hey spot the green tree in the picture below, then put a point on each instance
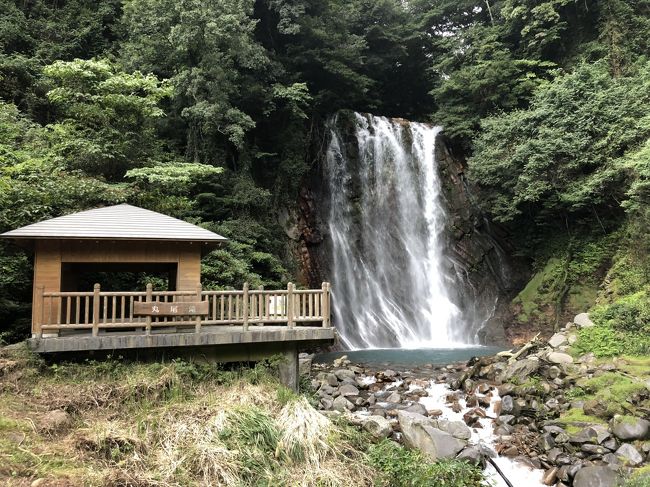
(105, 117)
(565, 155)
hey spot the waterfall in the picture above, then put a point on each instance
(392, 283)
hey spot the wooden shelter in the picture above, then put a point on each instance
(69, 314)
(121, 238)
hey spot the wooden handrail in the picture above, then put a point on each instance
(100, 310)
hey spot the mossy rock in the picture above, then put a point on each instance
(575, 420)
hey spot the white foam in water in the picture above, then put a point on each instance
(519, 474)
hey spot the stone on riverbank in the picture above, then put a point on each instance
(520, 370)
(583, 321)
(629, 428)
(377, 426)
(629, 455)
(596, 477)
(558, 340)
(419, 433)
(559, 358)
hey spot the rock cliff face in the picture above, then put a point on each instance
(476, 249)
(480, 249)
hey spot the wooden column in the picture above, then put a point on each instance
(189, 268)
(38, 311)
(47, 278)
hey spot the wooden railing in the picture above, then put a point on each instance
(107, 310)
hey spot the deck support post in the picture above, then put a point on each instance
(96, 305)
(288, 367)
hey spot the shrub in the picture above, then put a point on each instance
(629, 314)
(623, 327)
(401, 467)
(601, 340)
(639, 479)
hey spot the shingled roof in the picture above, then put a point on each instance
(119, 222)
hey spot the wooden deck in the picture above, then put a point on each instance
(99, 320)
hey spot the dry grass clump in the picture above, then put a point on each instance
(189, 446)
(217, 443)
(318, 451)
(305, 433)
(174, 424)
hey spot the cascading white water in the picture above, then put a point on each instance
(386, 221)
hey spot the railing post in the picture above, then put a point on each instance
(325, 304)
(149, 299)
(199, 297)
(245, 306)
(290, 305)
(96, 305)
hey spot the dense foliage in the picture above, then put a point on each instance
(402, 467)
(211, 112)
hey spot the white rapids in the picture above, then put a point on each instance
(519, 474)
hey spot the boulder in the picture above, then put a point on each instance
(629, 455)
(546, 442)
(596, 477)
(342, 404)
(583, 321)
(553, 372)
(394, 397)
(54, 421)
(559, 358)
(326, 389)
(457, 429)
(629, 428)
(344, 374)
(348, 390)
(602, 433)
(593, 449)
(417, 408)
(409, 420)
(505, 419)
(585, 435)
(611, 444)
(553, 453)
(472, 454)
(520, 370)
(550, 476)
(596, 407)
(558, 340)
(341, 361)
(505, 389)
(377, 426)
(304, 365)
(419, 433)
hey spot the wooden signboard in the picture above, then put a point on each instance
(170, 309)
